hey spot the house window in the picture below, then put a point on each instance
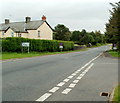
(19, 35)
(2, 32)
(38, 33)
(12, 34)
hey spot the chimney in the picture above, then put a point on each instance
(44, 18)
(7, 21)
(28, 19)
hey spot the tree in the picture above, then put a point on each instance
(83, 35)
(62, 33)
(83, 32)
(113, 25)
(98, 37)
(76, 35)
(87, 39)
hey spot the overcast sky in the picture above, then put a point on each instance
(90, 15)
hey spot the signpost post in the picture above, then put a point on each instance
(25, 44)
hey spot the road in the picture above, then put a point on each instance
(79, 76)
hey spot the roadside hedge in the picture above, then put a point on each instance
(13, 44)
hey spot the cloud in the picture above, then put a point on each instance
(76, 14)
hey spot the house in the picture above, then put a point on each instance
(38, 29)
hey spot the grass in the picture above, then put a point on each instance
(117, 94)
(11, 55)
(114, 53)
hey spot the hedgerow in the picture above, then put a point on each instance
(13, 44)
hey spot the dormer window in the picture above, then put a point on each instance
(38, 33)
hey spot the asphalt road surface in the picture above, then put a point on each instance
(79, 76)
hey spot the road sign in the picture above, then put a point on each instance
(25, 44)
(61, 44)
(61, 47)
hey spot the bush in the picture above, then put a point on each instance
(13, 44)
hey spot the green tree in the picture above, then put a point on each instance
(113, 25)
(83, 32)
(83, 35)
(87, 39)
(62, 33)
(98, 37)
(76, 35)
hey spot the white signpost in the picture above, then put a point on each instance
(25, 44)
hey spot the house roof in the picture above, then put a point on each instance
(23, 26)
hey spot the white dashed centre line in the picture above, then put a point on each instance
(75, 81)
(82, 75)
(70, 77)
(66, 91)
(54, 89)
(66, 80)
(79, 70)
(76, 72)
(86, 70)
(73, 74)
(61, 84)
(72, 85)
(83, 72)
(79, 77)
(43, 97)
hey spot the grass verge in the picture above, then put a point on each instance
(114, 53)
(116, 96)
(10, 55)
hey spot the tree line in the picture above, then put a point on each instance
(111, 35)
(79, 37)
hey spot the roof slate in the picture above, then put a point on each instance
(22, 26)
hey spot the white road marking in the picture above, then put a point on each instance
(82, 75)
(75, 81)
(73, 74)
(83, 72)
(79, 77)
(90, 62)
(66, 80)
(61, 84)
(76, 72)
(44, 97)
(90, 66)
(66, 91)
(70, 77)
(86, 70)
(54, 89)
(72, 85)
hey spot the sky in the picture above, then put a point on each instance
(90, 15)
